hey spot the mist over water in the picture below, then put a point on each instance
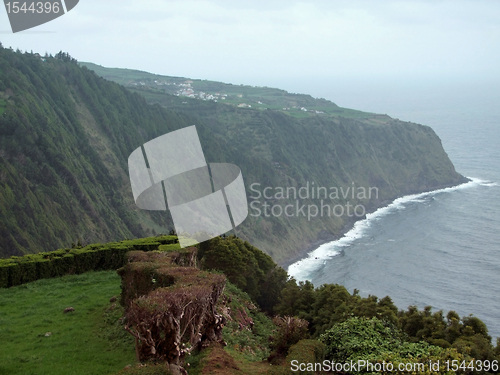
(440, 248)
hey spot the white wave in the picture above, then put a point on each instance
(484, 182)
(302, 269)
(489, 184)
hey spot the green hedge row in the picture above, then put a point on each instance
(95, 257)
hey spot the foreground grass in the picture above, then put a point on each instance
(88, 341)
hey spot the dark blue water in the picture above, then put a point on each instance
(442, 248)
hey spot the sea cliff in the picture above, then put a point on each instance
(66, 134)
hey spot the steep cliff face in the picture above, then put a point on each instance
(66, 134)
(361, 159)
(344, 168)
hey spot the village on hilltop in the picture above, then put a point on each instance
(186, 89)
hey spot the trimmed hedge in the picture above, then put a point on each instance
(94, 257)
(170, 304)
(144, 272)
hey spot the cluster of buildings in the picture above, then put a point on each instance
(185, 89)
(303, 109)
(188, 91)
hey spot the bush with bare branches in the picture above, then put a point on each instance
(170, 310)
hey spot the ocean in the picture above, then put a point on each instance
(440, 248)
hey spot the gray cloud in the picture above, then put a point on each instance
(253, 41)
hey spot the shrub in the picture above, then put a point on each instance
(290, 330)
(170, 310)
(168, 322)
(417, 357)
(245, 266)
(145, 272)
(375, 342)
(357, 338)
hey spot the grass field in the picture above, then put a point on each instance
(88, 341)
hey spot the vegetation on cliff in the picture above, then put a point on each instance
(186, 318)
(66, 134)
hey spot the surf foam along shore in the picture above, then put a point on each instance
(302, 269)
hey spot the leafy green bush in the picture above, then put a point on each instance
(359, 337)
(416, 358)
(468, 335)
(245, 266)
(378, 348)
(330, 304)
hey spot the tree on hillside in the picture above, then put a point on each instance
(245, 266)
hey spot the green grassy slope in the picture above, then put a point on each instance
(38, 338)
(91, 340)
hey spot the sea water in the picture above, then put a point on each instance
(440, 248)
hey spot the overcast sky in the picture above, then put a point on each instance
(265, 42)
